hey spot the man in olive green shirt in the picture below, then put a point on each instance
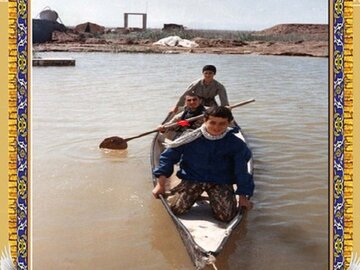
(207, 88)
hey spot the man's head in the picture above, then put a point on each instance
(217, 119)
(192, 101)
(209, 72)
(209, 68)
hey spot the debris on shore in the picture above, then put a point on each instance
(283, 39)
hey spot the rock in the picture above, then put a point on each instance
(145, 41)
(95, 41)
(202, 42)
(238, 43)
(65, 37)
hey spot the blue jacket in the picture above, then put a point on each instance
(221, 161)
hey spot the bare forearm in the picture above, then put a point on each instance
(159, 189)
(161, 181)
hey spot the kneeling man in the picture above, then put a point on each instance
(212, 158)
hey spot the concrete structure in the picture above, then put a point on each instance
(48, 14)
(126, 19)
(42, 30)
(173, 27)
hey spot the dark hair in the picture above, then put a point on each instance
(210, 68)
(219, 111)
(192, 94)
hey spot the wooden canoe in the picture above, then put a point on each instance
(203, 236)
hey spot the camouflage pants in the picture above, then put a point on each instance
(222, 198)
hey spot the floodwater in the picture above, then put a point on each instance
(93, 209)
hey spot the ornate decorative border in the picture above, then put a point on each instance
(18, 131)
(342, 132)
(22, 134)
(12, 93)
(338, 134)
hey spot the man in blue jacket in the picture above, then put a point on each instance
(212, 159)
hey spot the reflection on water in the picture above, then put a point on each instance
(93, 208)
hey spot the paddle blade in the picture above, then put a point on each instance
(115, 143)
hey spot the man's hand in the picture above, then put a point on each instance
(160, 187)
(175, 109)
(245, 202)
(161, 128)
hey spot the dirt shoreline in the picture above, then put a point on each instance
(286, 39)
(304, 48)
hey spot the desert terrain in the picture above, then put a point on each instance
(284, 39)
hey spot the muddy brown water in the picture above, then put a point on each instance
(93, 209)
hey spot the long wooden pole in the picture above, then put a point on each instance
(120, 143)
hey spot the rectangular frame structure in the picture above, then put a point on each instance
(144, 19)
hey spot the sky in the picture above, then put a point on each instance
(193, 14)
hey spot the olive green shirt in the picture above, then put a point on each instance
(206, 92)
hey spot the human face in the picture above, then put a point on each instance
(192, 102)
(208, 76)
(216, 125)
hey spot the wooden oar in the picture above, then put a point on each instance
(118, 143)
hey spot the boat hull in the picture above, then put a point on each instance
(203, 236)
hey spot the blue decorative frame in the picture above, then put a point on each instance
(338, 134)
(22, 134)
(23, 131)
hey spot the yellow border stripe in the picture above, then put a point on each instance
(4, 180)
(356, 128)
(348, 131)
(12, 128)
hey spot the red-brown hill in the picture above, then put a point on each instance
(297, 29)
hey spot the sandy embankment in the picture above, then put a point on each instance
(288, 39)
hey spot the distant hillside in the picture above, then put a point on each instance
(297, 29)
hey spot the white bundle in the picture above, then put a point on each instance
(173, 41)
